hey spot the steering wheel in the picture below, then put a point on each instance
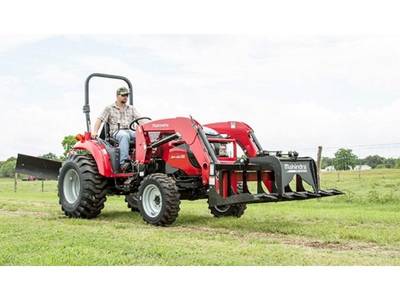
(136, 121)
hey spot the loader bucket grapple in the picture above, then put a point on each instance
(277, 176)
(272, 176)
(172, 160)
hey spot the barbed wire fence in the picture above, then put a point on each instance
(361, 150)
(319, 152)
(364, 147)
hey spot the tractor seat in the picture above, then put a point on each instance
(106, 136)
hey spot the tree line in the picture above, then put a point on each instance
(345, 159)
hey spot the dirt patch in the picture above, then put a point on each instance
(297, 241)
(23, 213)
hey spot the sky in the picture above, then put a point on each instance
(297, 92)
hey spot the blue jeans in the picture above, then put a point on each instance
(124, 136)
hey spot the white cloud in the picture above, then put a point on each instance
(10, 42)
(297, 93)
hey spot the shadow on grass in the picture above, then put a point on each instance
(120, 216)
(244, 225)
(201, 222)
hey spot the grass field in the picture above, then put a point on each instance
(359, 228)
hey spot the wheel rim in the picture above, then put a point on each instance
(222, 208)
(151, 199)
(72, 186)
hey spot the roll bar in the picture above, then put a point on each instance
(86, 107)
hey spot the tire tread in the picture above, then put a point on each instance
(94, 189)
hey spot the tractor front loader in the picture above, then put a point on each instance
(172, 160)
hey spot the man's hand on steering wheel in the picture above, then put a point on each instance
(136, 122)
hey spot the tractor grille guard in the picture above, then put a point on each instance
(284, 170)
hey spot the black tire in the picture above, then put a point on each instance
(87, 200)
(132, 201)
(234, 210)
(166, 203)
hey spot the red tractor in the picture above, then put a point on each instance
(175, 159)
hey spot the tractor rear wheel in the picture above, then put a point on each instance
(158, 199)
(235, 210)
(81, 189)
(132, 201)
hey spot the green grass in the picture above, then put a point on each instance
(359, 228)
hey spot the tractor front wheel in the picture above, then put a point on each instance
(235, 210)
(132, 200)
(81, 189)
(158, 199)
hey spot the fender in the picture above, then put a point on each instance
(100, 155)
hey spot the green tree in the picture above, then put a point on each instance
(390, 162)
(326, 161)
(344, 158)
(373, 161)
(49, 156)
(7, 168)
(397, 163)
(68, 142)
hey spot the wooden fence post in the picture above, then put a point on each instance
(15, 182)
(319, 153)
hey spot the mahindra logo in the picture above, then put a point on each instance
(160, 125)
(295, 168)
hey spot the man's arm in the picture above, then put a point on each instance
(137, 115)
(96, 128)
(102, 118)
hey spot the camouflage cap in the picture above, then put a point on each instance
(122, 91)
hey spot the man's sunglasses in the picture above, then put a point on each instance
(124, 95)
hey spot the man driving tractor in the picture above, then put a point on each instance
(175, 159)
(119, 115)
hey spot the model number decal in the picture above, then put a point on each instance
(178, 156)
(160, 125)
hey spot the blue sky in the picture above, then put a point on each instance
(296, 92)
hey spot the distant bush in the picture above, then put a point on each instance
(372, 197)
(380, 166)
(344, 158)
(50, 155)
(7, 168)
(375, 197)
(397, 164)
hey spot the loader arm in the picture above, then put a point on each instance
(185, 129)
(242, 133)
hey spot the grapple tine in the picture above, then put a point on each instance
(312, 195)
(335, 192)
(266, 196)
(289, 196)
(325, 193)
(302, 195)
